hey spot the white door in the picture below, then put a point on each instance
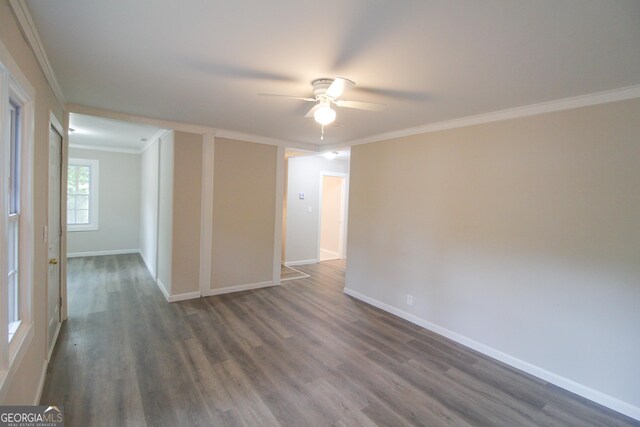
(53, 282)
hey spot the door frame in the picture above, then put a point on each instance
(343, 213)
(57, 126)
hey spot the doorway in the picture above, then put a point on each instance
(332, 214)
(302, 224)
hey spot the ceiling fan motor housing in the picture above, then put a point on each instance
(320, 86)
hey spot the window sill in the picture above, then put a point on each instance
(74, 228)
(17, 352)
(13, 328)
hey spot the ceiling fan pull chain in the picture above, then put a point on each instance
(322, 133)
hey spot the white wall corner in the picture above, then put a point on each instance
(163, 288)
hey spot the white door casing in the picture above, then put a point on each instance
(53, 238)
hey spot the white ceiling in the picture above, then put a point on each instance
(204, 62)
(106, 133)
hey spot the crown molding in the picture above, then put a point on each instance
(191, 128)
(241, 136)
(106, 148)
(620, 94)
(28, 28)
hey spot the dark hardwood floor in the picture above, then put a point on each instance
(301, 354)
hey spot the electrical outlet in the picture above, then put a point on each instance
(409, 299)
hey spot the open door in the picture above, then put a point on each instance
(54, 301)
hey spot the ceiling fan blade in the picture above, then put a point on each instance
(338, 87)
(369, 106)
(288, 97)
(312, 110)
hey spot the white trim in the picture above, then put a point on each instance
(565, 383)
(156, 136)
(238, 288)
(620, 94)
(146, 263)
(163, 289)
(28, 27)
(14, 85)
(302, 262)
(106, 148)
(101, 253)
(206, 213)
(40, 388)
(55, 123)
(94, 195)
(55, 339)
(279, 207)
(258, 139)
(192, 128)
(183, 297)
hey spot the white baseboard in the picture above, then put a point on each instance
(43, 376)
(302, 262)
(565, 383)
(185, 296)
(329, 254)
(163, 289)
(101, 253)
(153, 273)
(55, 340)
(238, 288)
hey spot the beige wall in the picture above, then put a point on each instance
(331, 212)
(523, 235)
(243, 213)
(187, 192)
(24, 386)
(118, 204)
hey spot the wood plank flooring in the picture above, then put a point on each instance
(301, 354)
(288, 273)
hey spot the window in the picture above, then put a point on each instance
(82, 195)
(13, 223)
(16, 214)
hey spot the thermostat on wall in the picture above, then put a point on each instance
(301, 196)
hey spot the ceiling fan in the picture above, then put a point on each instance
(327, 92)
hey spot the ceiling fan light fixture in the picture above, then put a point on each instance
(324, 115)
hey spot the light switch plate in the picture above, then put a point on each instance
(301, 196)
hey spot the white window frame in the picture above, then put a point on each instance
(15, 86)
(94, 198)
